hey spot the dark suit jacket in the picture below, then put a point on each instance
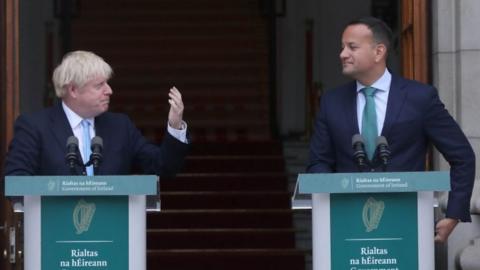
(39, 146)
(414, 118)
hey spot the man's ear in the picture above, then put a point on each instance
(72, 90)
(380, 52)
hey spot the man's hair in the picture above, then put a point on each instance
(380, 30)
(77, 68)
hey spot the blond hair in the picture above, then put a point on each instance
(77, 68)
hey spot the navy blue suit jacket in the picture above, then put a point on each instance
(39, 146)
(414, 118)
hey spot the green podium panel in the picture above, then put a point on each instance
(371, 221)
(374, 230)
(84, 232)
(84, 222)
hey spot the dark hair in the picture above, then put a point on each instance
(380, 30)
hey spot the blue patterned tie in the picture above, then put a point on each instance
(86, 145)
(369, 121)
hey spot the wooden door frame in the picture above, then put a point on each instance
(415, 40)
(10, 108)
(415, 37)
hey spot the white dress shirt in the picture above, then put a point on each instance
(381, 99)
(74, 121)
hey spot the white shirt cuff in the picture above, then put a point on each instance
(179, 134)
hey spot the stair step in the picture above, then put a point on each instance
(159, 92)
(188, 65)
(210, 134)
(168, 16)
(196, 113)
(159, 68)
(232, 42)
(171, 5)
(202, 119)
(170, 36)
(225, 200)
(225, 181)
(162, 83)
(211, 39)
(195, 73)
(211, 124)
(234, 259)
(270, 147)
(220, 238)
(205, 164)
(165, 4)
(107, 30)
(192, 55)
(230, 218)
(182, 81)
(196, 107)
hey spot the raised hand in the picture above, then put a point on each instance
(175, 115)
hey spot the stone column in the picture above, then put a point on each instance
(456, 74)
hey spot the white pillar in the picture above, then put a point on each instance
(456, 74)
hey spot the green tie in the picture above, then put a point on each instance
(369, 121)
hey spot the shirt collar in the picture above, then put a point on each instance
(73, 118)
(383, 83)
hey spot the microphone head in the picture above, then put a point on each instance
(357, 138)
(72, 140)
(97, 140)
(381, 140)
(71, 157)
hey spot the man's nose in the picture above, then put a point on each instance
(343, 53)
(108, 89)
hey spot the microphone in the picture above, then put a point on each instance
(359, 150)
(72, 149)
(96, 156)
(383, 151)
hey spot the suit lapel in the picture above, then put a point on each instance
(60, 126)
(351, 108)
(396, 99)
(61, 130)
(101, 130)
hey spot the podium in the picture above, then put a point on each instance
(84, 222)
(373, 220)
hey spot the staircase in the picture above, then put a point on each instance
(226, 211)
(229, 208)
